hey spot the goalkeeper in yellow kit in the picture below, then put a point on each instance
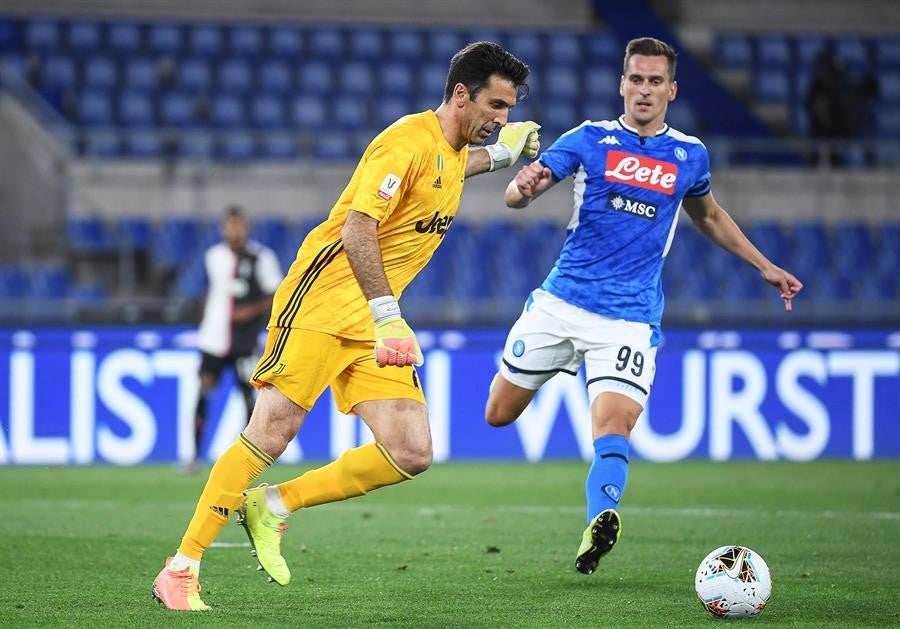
(336, 320)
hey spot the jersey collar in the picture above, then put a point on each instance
(663, 130)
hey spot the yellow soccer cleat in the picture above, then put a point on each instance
(178, 590)
(265, 530)
(598, 539)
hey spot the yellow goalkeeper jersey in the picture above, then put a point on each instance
(410, 180)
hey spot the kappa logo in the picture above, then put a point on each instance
(641, 171)
(389, 187)
(610, 139)
(437, 182)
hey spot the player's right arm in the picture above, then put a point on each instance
(395, 342)
(530, 182)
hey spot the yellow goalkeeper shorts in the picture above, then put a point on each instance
(302, 363)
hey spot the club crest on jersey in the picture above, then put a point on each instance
(641, 171)
(680, 153)
(389, 187)
(518, 348)
(637, 207)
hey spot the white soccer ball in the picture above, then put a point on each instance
(733, 582)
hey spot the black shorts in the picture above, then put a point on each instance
(215, 365)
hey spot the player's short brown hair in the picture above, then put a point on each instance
(651, 47)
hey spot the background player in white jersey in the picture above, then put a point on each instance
(242, 276)
(602, 302)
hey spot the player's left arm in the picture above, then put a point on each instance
(715, 222)
(515, 139)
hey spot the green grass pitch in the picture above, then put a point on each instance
(465, 545)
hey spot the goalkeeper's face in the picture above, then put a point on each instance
(488, 111)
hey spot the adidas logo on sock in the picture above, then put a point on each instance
(437, 182)
(222, 511)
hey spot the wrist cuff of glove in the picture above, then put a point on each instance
(384, 309)
(500, 156)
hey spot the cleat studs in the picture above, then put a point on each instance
(259, 568)
(253, 552)
(271, 580)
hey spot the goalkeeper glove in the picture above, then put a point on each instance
(395, 342)
(516, 138)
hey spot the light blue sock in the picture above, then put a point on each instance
(608, 474)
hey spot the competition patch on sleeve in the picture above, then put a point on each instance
(389, 187)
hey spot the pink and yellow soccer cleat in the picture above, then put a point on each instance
(178, 590)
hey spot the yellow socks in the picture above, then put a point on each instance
(356, 472)
(229, 477)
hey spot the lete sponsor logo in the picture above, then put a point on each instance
(641, 171)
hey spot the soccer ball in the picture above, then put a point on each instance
(733, 582)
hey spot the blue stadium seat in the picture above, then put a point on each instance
(123, 37)
(101, 144)
(564, 49)
(396, 78)
(308, 112)
(600, 82)
(195, 145)
(87, 294)
(888, 249)
(524, 110)
(889, 87)
(278, 146)
(134, 233)
(275, 77)
(286, 42)
(356, 78)
(315, 78)
(350, 113)
(267, 112)
(176, 109)
(176, 240)
(852, 247)
(772, 85)
(144, 143)
(559, 117)
(854, 52)
(599, 109)
(94, 109)
(562, 82)
(326, 43)
(366, 43)
(9, 34)
(42, 36)
(740, 286)
(49, 281)
(227, 111)
(245, 40)
(135, 109)
(773, 51)
(887, 52)
(811, 253)
(405, 44)
(206, 40)
(83, 36)
(164, 38)
(58, 72)
(234, 75)
(237, 146)
(807, 48)
(100, 73)
(332, 146)
(681, 116)
(831, 288)
(485, 34)
(887, 122)
(771, 238)
(191, 282)
(527, 46)
(141, 73)
(443, 44)
(14, 282)
(602, 48)
(390, 108)
(193, 75)
(432, 80)
(89, 234)
(270, 231)
(878, 288)
(734, 51)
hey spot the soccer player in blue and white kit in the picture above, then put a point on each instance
(602, 302)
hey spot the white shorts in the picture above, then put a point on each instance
(552, 335)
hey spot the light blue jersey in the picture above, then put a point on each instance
(628, 190)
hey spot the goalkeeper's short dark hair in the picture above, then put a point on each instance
(651, 47)
(474, 65)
